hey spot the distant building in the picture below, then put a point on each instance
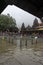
(40, 27)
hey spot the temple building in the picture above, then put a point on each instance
(40, 27)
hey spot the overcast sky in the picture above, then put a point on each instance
(19, 15)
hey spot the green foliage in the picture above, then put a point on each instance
(23, 27)
(35, 23)
(28, 28)
(6, 22)
(42, 19)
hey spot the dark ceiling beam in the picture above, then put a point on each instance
(34, 7)
(2, 5)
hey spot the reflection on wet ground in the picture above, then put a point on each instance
(24, 54)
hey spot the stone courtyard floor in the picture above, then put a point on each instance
(23, 56)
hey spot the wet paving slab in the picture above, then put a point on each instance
(23, 56)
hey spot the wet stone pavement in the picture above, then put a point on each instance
(23, 56)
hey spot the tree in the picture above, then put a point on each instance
(13, 29)
(28, 28)
(6, 22)
(42, 19)
(35, 23)
(23, 27)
